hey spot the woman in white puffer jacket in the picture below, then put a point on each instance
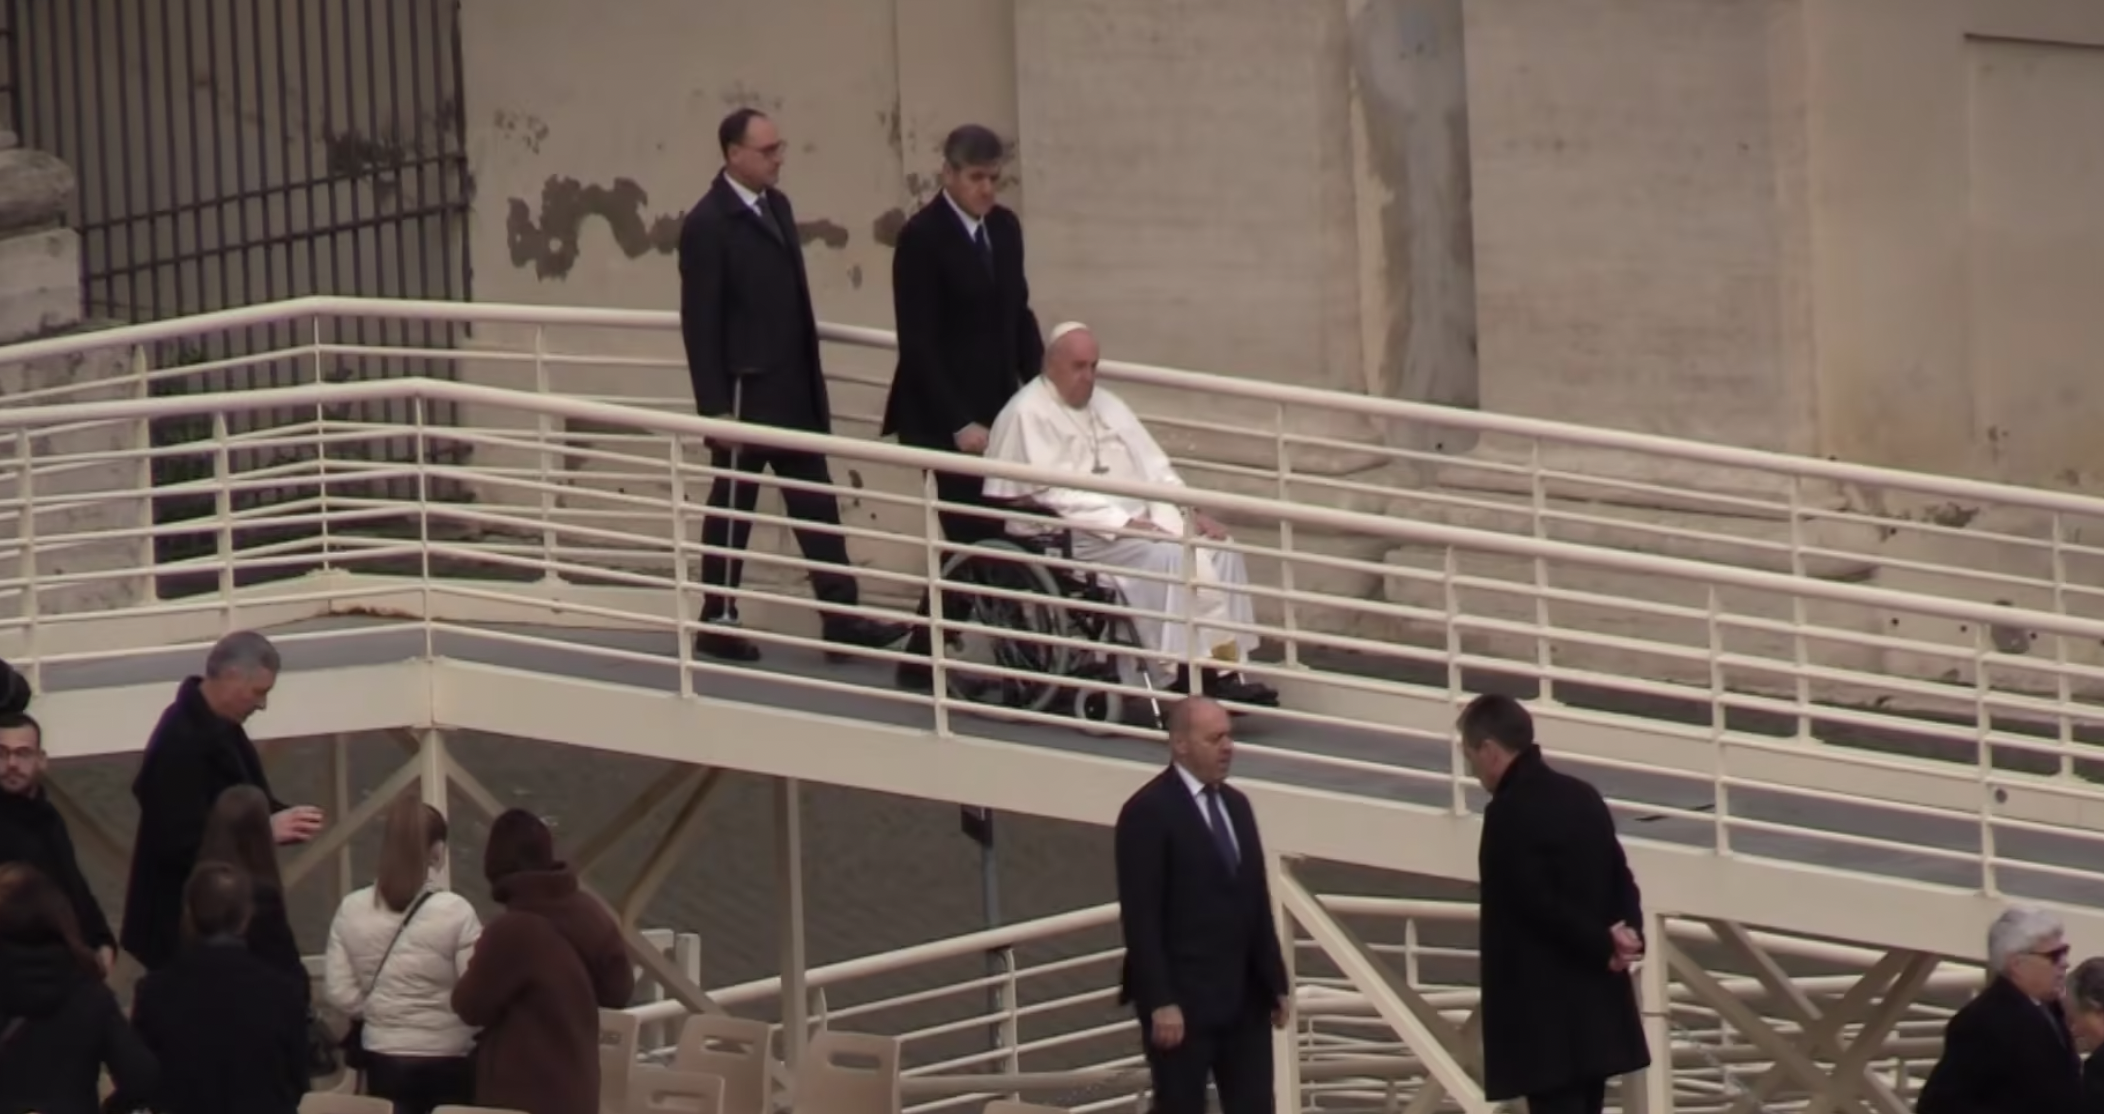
(415, 1051)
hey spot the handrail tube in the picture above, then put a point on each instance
(502, 313)
(1408, 532)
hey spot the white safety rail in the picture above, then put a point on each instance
(1037, 1012)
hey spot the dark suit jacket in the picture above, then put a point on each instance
(1197, 936)
(745, 313)
(967, 338)
(191, 758)
(32, 831)
(72, 1027)
(2003, 1054)
(229, 1029)
(1554, 882)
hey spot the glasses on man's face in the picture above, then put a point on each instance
(20, 756)
(2054, 956)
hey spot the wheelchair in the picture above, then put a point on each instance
(1040, 605)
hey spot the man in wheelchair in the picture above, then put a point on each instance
(1063, 421)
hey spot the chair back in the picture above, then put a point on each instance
(733, 1049)
(848, 1073)
(656, 1090)
(333, 1102)
(617, 1058)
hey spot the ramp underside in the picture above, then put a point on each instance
(562, 685)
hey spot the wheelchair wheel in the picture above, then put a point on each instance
(1091, 706)
(1003, 566)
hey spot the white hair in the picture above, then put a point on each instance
(2019, 929)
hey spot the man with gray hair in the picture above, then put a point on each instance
(197, 751)
(2009, 1050)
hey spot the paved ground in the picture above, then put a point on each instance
(884, 872)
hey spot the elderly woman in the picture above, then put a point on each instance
(2010, 1050)
(2083, 1001)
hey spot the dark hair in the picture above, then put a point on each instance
(973, 145)
(518, 841)
(405, 850)
(218, 900)
(16, 693)
(731, 131)
(1492, 718)
(237, 832)
(33, 911)
(9, 721)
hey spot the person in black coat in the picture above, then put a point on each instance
(967, 335)
(1561, 925)
(197, 751)
(1203, 967)
(2010, 1050)
(229, 1028)
(2083, 1002)
(33, 832)
(751, 335)
(60, 1025)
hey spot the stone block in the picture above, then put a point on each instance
(35, 189)
(76, 498)
(39, 283)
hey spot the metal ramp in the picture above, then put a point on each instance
(553, 606)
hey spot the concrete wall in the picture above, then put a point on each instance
(40, 296)
(1858, 228)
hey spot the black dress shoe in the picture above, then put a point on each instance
(854, 630)
(1234, 688)
(725, 646)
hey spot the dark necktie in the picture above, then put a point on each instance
(1223, 835)
(985, 246)
(760, 209)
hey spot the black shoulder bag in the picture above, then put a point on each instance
(355, 1057)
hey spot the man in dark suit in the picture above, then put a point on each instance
(197, 751)
(1202, 961)
(33, 832)
(2010, 1049)
(1561, 925)
(967, 336)
(752, 351)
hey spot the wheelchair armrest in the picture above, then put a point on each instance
(1057, 539)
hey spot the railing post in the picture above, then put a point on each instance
(1010, 1033)
(1285, 1047)
(546, 474)
(2062, 687)
(680, 603)
(321, 446)
(1655, 1000)
(1983, 724)
(1719, 771)
(938, 618)
(423, 526)
(142, 441)
(1290, 617)
(1800, 617)
(789, 894)
(223, 506)
(25, 486)
(1458, 774)
(1544, 653)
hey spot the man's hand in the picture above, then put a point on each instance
(1629, 947)
(1208, 527)
(1166, 1027)
(1144, 525)
(106, 958)
(972, 439)
(1281, 1012)
(297, 824)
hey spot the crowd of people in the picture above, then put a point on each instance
(221, 1017)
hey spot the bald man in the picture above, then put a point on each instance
(1064, 421)
(1203, 965)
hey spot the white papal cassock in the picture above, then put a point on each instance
(1105, 438)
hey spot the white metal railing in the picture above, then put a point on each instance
(567, 490)
(1984, 541)
(1048, 1022)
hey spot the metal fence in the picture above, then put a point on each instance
(232, 152)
